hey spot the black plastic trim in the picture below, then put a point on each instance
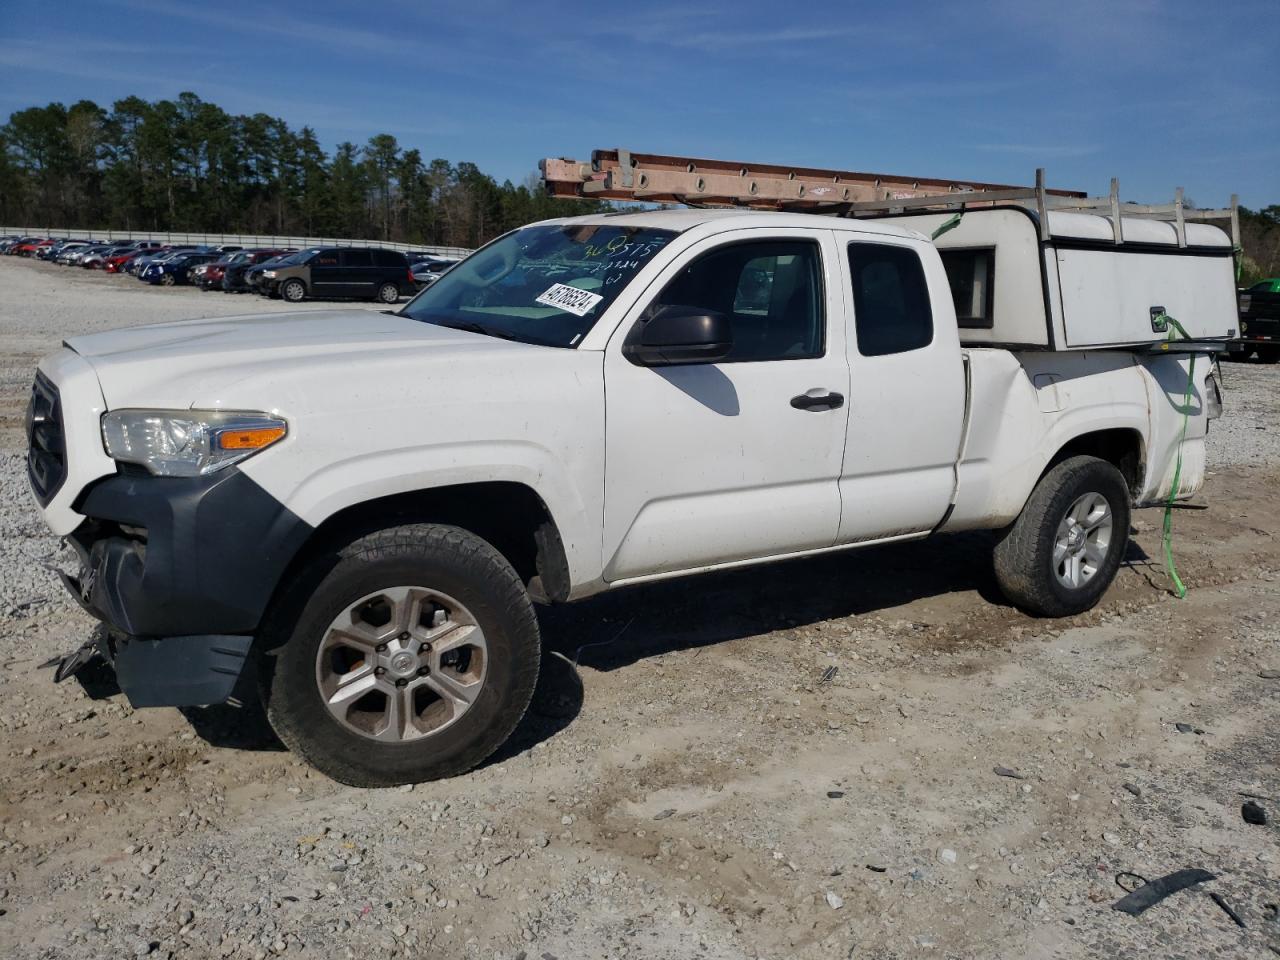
(180, 671)
(1108, 246)
(210, 555)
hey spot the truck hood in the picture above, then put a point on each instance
(201, 362)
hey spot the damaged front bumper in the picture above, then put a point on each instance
(187, 671)
(180, 572)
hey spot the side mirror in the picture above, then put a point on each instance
(677, 334)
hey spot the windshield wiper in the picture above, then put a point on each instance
(472, 327)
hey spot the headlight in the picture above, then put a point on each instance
(187, 443)
(269, 274)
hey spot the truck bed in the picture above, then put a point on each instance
(1023, 406)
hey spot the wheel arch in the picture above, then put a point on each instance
(1122, 447)
(510, 516)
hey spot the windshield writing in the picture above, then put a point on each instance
(543, 284)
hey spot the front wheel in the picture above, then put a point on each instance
(293, 291)
(413, 658)
(168, 280)
(1063, 551)
(388, 293)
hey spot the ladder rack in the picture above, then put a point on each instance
(654, 178)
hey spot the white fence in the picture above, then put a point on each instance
(217, 239)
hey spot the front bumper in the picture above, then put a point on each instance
(175, 557)
(180, 570)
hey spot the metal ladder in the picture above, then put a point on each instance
(655, 178)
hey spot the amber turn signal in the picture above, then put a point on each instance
(252, 439)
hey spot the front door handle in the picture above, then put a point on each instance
(818, 403)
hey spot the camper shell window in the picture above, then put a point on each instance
(971, 274)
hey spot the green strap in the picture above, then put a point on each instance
(1179, 588)
(949, 225)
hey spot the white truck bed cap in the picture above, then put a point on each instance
(1067, 225)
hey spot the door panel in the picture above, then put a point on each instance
(906, 391)
(325, 269)
(711, 463)
(357, 274)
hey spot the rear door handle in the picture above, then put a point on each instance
(818, 403)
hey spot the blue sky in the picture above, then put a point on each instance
(983, 90)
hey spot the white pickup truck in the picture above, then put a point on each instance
(363, 506)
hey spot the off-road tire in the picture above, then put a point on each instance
(1024, 553)
(293, 291)
(443, 558)
(388, 293)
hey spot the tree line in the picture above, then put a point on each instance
(188, 165)
(1260, 241)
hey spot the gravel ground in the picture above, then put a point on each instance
(693, 786)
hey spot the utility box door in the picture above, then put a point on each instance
(1107, 295)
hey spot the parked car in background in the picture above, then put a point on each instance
(252, 278)
(115, 262)
(176, 269)
(12, 246)
(29, 247)
(208, 276)
(235, 275)
(1259, 322)
(73, 258)
(98, 260)
(155, 256)
(341, 272)
(417, 256)
(52, 253)
(428, 271)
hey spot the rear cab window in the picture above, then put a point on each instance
(891, 307)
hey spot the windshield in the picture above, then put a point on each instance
(546, 285)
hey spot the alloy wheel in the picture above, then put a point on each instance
(401, 664)
(1083, 540)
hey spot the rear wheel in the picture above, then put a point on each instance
(413, 658)
(293, 290)
(1063, 551)
(388, 293)
(1269, 354)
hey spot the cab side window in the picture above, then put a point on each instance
(770, 290)
(891, 309)
(356, 258)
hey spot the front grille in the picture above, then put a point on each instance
(46, 448)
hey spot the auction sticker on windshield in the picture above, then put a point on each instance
(570, 299)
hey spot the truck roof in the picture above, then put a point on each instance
(684, 219)
(1062, 224)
